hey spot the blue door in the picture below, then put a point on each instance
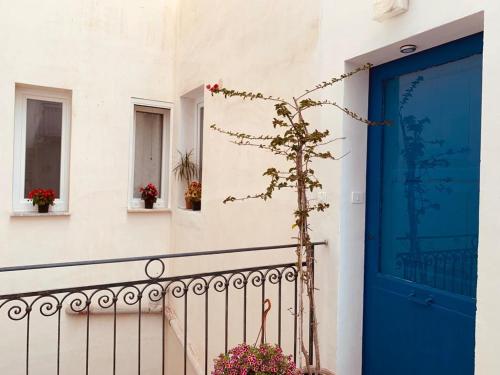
(422, 213)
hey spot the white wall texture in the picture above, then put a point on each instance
(107, 52)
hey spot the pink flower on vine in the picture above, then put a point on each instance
(213, 88)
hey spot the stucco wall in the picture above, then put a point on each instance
(105, 53)
(261, 46)
(108, 52)
(282, 49)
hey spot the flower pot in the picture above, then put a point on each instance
(148, 203)
(43, 209)
(196, 205)
(189, 204)
(323, 371)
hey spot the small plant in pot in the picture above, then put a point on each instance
(43, 198)
(194, 194)
(149, 194)
(185, 170)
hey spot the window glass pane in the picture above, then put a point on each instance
(148, 150)
(43, 146)
(430, 188)
(200, 150)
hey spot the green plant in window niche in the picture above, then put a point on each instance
(295, 142)
(186, 170)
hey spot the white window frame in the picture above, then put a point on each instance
(197, 130)
(19, 202)
(165, 108)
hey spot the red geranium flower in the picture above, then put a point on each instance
(149, 192)
(42, 197)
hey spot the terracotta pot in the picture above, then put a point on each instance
(323, 371)
(189, 204)
(149, 203)
(43, 209)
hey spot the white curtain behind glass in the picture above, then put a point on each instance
(43, 146)
(201, 114)
(148, 150)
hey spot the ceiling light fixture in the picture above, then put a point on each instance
(408, 48)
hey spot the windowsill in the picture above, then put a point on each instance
(147, 210)
(37, 214)
(188, 210)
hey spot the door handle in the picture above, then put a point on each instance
(424, 302)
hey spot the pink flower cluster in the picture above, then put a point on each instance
(213, 88)
(149, 192)
(250, 360)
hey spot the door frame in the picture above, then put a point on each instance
(351, 245)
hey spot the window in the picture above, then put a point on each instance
(200, 111)
(191, 133)
(42, 144)
(150, 151)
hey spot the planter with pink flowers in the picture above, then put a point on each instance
(251, 360)
(149, 194)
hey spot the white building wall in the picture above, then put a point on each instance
(105, 53)
(278, 48)
(257, 46)
(108, 52)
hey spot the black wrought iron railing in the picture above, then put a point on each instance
(128, 326)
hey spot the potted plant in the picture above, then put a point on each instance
(265, 359)
(43, 198)
(194, 195)
(149, 194)
(298, 145)
(186, 170)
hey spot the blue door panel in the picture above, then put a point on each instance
(392, 354)
(422, 212)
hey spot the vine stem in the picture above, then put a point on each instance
(304, 246)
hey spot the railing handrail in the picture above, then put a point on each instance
(118, 284)
(149, 257)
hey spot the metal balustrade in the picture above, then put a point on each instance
(239, 290)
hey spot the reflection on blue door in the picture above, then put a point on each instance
(422, 213)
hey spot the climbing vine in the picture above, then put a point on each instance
(299, 144)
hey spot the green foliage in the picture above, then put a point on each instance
(186, 169)
(299, 145)
(296, 140)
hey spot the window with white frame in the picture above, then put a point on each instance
(41, 145)
(200, 112)
(150, 154)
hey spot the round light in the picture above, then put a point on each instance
(408, 48)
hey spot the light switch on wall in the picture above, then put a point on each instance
(357, 197)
